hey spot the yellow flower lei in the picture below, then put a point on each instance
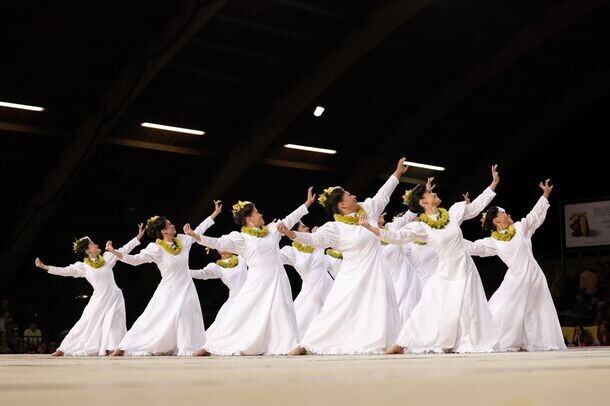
(442, 221)
(418, 242)
(173, 249)
(506, 236)
(228, 263)
(255, 231)
(303, 248)
(100, 262)
(333, 253)
(349, 219)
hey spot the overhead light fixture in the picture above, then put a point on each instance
(312, 149)
(318, 111)
(20, 106)
(172, 128)
(424, 166)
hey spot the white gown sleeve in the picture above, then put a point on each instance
(152, 253)
(409, 233)
(210, 271)
(76, 270)
(535, 218)
(402, 221)
(288, 255)
(473, 209)
(375, 205)
(187, 241)
(125, 249)
(290, 219)
(325, 236)
(485, 247)
(232, 242)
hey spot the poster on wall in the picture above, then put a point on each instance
(587, 224)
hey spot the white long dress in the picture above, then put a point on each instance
(406, 282)
(262, 320)
(360, 315)
(101, 327)
(424, 259)
(172, 322)
(333, 264)
(233, 278)
(522, 306)
(453, 314)
(312, 268)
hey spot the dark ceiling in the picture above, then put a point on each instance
(457, 84)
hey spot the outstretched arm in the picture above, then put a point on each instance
(75, 270)
(484, 247)
(210, 271)
(377, 203)
(324, 236)
(536, 217)
(406, 234)
(294, 217)
(473, 209)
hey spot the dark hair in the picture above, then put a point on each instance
(240, 217)
(81, 247)
(331, 205)
(153, 228)
(416, 196)
(492, 213)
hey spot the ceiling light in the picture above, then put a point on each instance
(20, 106)
(318, 111)
(312, 149)
(172, 128)
(424, 166)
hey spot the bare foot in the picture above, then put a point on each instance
(58, 353)
(298, 351)
(395, 349)
(117, 353)
(108, 352)
(201, 353)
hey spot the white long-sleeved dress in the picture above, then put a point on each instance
(406, 282)
(313, 270)
(262, 320)
(453, 314)
(233, 278)
(424, 260)
(522, 306)
(172, 322)
(360, 315)
(101, 327)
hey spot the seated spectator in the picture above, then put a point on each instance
(581, 338)
(588, 282)
(32, 336)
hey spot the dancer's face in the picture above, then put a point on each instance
(224, 254)
(348, 203)
(430, 200)
(169, 230)
(302, 228)
(93, 250)
(502, 221)
(255, 219)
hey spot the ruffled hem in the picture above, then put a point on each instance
(222, 352)
(345, 351)
(83, 353)
(440, 350)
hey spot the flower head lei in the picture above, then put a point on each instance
(326, 194)
(79, 243)
(239, 206)
(406, 198)
(150, 222)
